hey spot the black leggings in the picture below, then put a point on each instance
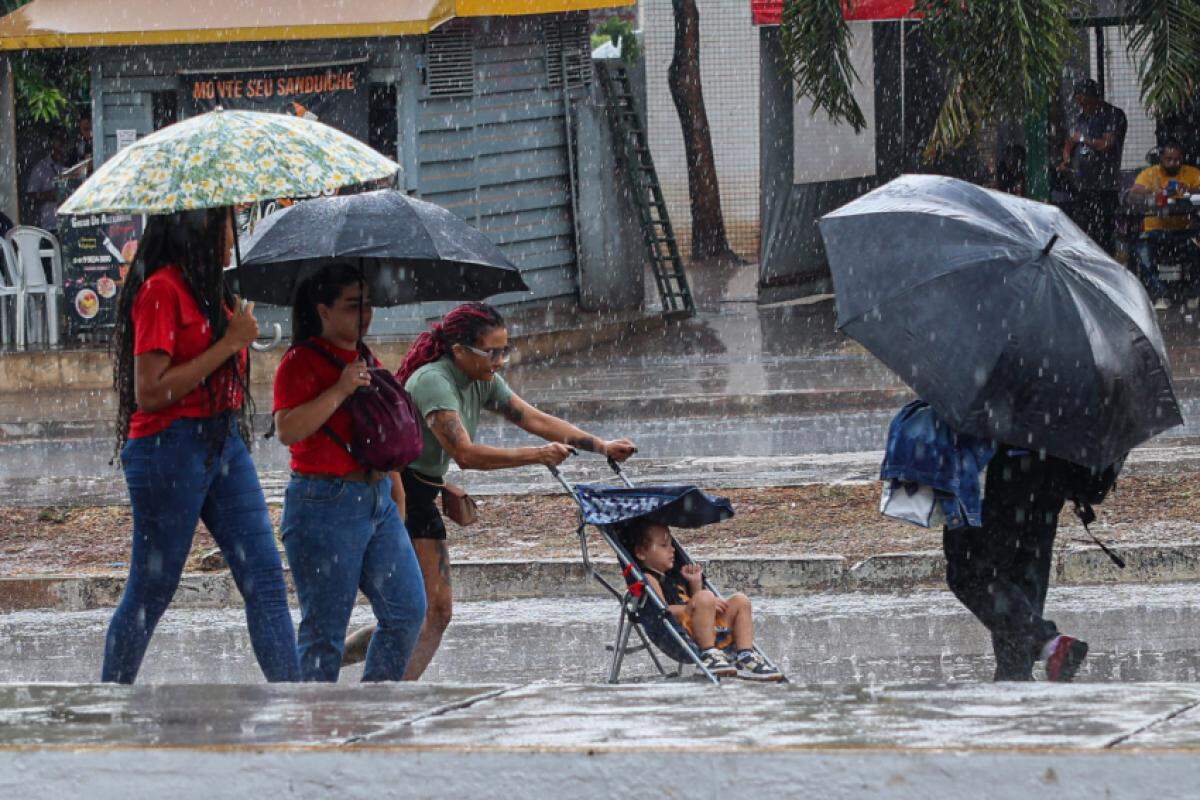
(1001, 571)
(1002, 578)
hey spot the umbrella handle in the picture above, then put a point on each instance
(276, 338)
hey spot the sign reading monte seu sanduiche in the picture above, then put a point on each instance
(336, 94)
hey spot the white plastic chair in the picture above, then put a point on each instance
(33, 245)
(9, 289)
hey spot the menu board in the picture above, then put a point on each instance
(97, 251)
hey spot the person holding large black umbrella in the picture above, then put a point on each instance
(1016, 327)
(453, 374)
(342, 526)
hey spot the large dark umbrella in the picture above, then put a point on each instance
(409, 250)
(1003, 315)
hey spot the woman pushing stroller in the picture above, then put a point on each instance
(452, 374)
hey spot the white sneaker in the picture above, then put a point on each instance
(1161, 304)
(717, 663)
(753, 667)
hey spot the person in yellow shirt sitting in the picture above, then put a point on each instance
(1170, 178)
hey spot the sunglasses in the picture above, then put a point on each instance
(499, 355)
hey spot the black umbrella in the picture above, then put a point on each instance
(1003, 315)
(409, 250)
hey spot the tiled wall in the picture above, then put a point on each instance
(825, 151)
(1122, 89)
(729, 64)
(729, 69)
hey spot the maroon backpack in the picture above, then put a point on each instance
(386, 426)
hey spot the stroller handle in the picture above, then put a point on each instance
(562, 481)
(613, 464)
(616, 467)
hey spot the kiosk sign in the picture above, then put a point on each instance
(335, 94)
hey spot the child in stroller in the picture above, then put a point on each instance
(720, 628)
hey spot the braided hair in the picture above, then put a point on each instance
(464, 325)
(193, 241)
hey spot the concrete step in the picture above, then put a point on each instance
(778, 576)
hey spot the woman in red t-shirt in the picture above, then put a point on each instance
(341, 526)
(182, 423)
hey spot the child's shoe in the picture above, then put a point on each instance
(752, 667)
(717, 663)
(1065, 658)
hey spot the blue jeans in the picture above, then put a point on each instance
(173, 482)
(342, 536)
(1147, 272)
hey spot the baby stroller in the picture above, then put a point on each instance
(642, 610)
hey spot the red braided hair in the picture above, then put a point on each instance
(463, 325)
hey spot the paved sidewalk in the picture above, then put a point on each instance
(531, 740)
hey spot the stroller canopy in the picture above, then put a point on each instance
(674, 506)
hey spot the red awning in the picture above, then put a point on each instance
(770, 12)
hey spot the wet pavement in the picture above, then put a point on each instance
(889, 698)
(586, 741)
(516, 716)
(78, 473)
(1137, 634)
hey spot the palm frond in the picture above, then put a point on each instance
(816, 43)
(1003, 58)
(1164, 37)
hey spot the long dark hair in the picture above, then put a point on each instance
(323, 287)
(463, 325)
(194, 242)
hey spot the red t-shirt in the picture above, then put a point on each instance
(167, 319)
(302, 376)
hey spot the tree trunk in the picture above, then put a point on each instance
(683, 78)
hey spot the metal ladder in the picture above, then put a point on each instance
(634, 150)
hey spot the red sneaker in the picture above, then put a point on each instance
(1066, 659)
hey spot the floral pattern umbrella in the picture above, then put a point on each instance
(224, 158)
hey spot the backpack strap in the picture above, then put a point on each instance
(1087, 515)
(332, 359)
(309, 344)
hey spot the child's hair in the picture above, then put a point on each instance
(634, 534)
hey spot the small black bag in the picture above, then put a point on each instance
(1087, 485)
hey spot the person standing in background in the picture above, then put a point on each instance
(40, 186)
(1091, 156)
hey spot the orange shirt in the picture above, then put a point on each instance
(1155, 179)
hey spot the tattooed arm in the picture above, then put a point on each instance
(553, 429)
(453, 437)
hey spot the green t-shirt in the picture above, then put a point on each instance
(441, 386)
